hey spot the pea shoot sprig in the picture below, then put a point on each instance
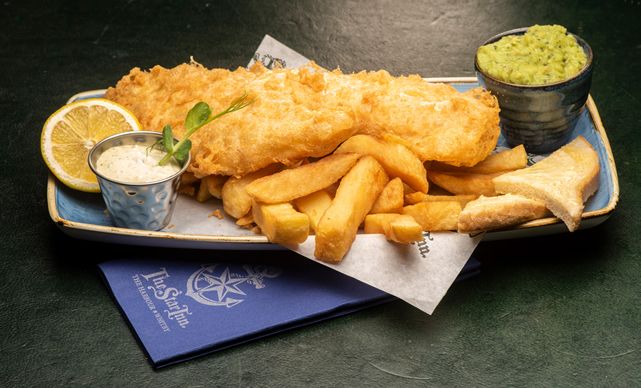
(199, 116)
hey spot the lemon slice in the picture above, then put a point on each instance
(69, 134)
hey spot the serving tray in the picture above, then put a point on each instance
(84, 215)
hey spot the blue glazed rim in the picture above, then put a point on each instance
(100, 232)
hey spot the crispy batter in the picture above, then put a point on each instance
(432, 119)
(286, 123)
(308, 112)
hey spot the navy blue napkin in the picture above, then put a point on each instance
(182, 309)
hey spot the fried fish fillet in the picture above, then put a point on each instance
(434, 120)
(308, 112)
(287, 122)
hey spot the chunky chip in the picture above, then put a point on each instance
(414, 198)
(202, 194)
(399, 228)
(292, 183)
(236, 201)
(281, 223)
(354, 198)
(476, 184)
(245, 220)
(214, 184)
(435, 216)
(396, 159)
(314, 205)
(188, 178)
(391, 198)
(504, 161)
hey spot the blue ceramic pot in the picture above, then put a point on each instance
(541, 117)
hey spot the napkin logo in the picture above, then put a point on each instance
(214, 284)
(269, 61)
(175, 311)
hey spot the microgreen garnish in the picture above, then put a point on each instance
(199, 116)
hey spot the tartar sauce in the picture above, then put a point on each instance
(135, 164)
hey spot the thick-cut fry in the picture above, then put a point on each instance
(477, 184)
(405, 230)
(407, 189)
(374, 223)
(245, 220)
(281, 223)
(331, 190)
(236, 201)
(400, 228)
(354, 198)
(391, 198)
(435, 216)
(314, 205)
(214, 184)
(188, 178)
(203, 194)
(414, 198)
(396, 159)
(504, 161)
(297, 182)
(189, 190)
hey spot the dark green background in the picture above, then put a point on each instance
(561, 310)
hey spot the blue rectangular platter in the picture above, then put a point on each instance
(84, 215)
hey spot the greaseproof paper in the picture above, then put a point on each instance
(419, 273)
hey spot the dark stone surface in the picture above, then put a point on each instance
(555, 311)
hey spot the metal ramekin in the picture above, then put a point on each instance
(146, 206)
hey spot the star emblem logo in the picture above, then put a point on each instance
(222, 284)
(217, 285)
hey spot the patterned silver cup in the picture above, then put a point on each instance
(147, 206)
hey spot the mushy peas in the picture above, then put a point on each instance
(543, 55)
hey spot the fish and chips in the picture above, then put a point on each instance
(326, 153)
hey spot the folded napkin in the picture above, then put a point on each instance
(182, 309)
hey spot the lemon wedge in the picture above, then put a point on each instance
(69, 134)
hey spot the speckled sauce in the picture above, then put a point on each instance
(135, 164)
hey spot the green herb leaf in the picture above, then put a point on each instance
(182, 152)
(197, 116)
(167, 138)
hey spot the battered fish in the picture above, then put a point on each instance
(287, 122)
(308, 112)
(434, 120)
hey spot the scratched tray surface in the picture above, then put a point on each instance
(84, 215)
